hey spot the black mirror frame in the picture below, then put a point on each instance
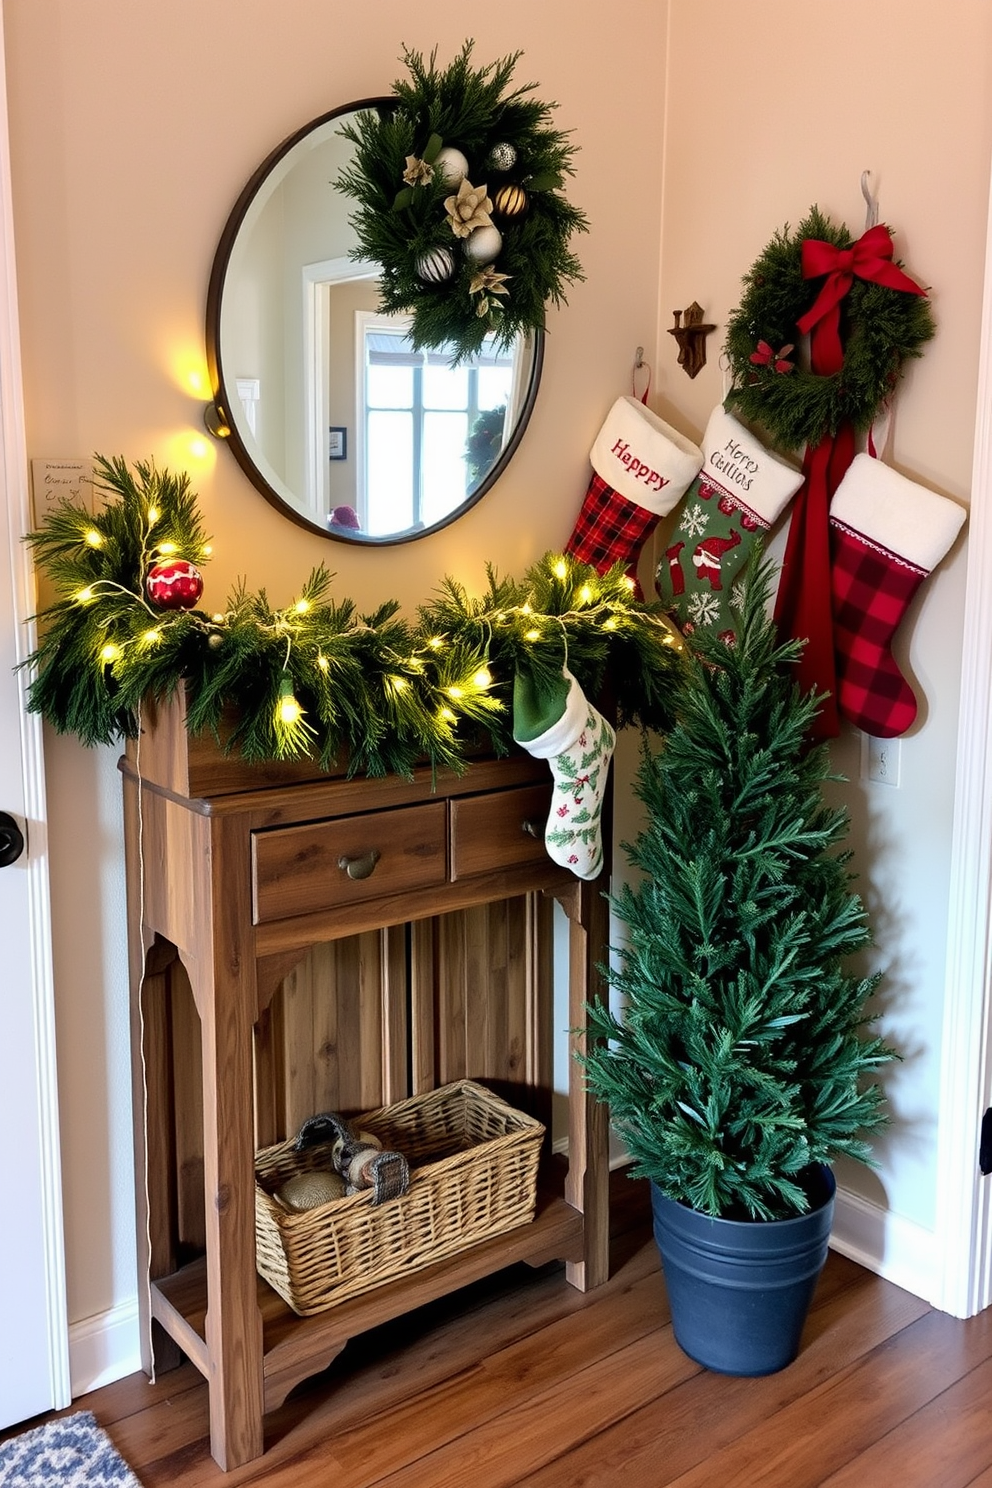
(221, 397)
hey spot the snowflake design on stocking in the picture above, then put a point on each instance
(694, 521)
(703, 608)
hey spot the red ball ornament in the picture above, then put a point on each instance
(174, 584)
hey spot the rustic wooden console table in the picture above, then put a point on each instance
(269, 981)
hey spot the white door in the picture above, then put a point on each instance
(34, 1365)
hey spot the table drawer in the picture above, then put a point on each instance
(489, 832)
(299, 870)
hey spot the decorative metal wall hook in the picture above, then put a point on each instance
(871, 201)
(690, 333)
(640, 377)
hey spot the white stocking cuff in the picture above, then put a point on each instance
(643, 458)
(741, 466)
(895, 512)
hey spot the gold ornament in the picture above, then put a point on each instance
(510, 201)
(469, 209)
(418, 172)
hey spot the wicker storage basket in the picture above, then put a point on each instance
(473, 1162)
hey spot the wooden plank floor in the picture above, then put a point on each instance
(521, 1380)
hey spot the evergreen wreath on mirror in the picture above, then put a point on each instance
(880, 327)
(460, 203)
(743, 1056)
(315, 678)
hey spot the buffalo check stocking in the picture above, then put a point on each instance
(641, 469)
(886, 534)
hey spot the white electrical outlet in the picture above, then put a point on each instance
(880, 760)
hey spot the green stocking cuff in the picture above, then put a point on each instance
(537, 707)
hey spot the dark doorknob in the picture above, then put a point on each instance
(11, 840)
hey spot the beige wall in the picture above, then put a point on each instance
(134, 125)
(756, 132)
(703, 125)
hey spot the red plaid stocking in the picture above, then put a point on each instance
(887, 534)
(641, 469)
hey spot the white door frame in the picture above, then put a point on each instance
(318, 281)
(14, 501)
(964, 1196)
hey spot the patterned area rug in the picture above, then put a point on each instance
(73, 1452)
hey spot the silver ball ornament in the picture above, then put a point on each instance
(435, 266)
(451, 165)
(503, 157)
(483, 245)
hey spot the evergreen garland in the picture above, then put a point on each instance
(741, 1056)
(880, 328)
(316, 678)
(399, 225)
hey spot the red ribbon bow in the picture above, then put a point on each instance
(869, 258)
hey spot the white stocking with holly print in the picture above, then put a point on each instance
(740, 491)
(562, 727)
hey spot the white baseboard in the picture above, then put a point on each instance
(890, 1245)
(107, 1347)
(104, 1348)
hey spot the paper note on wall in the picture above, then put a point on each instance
(51, 480)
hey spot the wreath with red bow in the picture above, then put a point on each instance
(863, 314)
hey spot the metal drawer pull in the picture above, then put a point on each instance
(360, 867)
(532, 826)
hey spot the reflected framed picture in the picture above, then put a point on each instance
(337, 443)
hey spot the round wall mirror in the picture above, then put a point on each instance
(328, 408)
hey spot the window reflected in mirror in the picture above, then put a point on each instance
(428, 432)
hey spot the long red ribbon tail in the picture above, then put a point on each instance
(803, 607)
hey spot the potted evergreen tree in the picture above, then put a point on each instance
(741, 1063)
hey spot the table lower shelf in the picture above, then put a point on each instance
(297, 1347)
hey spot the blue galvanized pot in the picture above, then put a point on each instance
(739, 1290)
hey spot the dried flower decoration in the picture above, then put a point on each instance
(469, 209)
(418, 172)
